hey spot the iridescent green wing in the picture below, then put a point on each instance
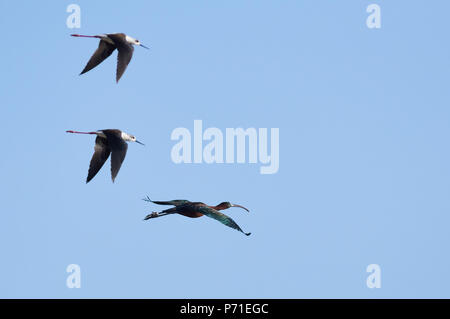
(224, 219)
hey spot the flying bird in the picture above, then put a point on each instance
(108, 43)
(197, 209)
(109, 141)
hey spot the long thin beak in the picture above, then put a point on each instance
(236, 205)
(144, 46)
(140, 142)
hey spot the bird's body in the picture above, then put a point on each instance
(109, 141)
(108, 43)
(197, 209)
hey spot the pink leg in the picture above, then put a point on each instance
(85, 36)
(76, 132)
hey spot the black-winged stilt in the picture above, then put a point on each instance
(108, 43)
(107, 142)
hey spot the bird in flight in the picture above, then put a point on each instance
(108, 43)
(112, 142)
(197, 209)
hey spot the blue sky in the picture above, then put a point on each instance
(363, 117)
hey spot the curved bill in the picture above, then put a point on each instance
(236, 205)
(140, 142)
(144, 46)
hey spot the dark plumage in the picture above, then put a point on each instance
(108, 43)
(110, 141)
(197, 209)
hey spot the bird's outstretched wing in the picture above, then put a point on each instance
(125, 53)
(175, 202)
(224, 219)
(103, 51)
(118, 149)
(101, 154)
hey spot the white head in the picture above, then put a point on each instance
(130, 138)
(134, 41)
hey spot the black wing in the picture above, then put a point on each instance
(118, 149)
(224, 219)
(125, 53)
(103, 51)
(101, 154)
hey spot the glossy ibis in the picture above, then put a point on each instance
(197, 209)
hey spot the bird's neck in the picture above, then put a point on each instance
(130, 40)
(126, 137)
(219, 207)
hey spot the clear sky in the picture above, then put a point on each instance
(363, 117)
